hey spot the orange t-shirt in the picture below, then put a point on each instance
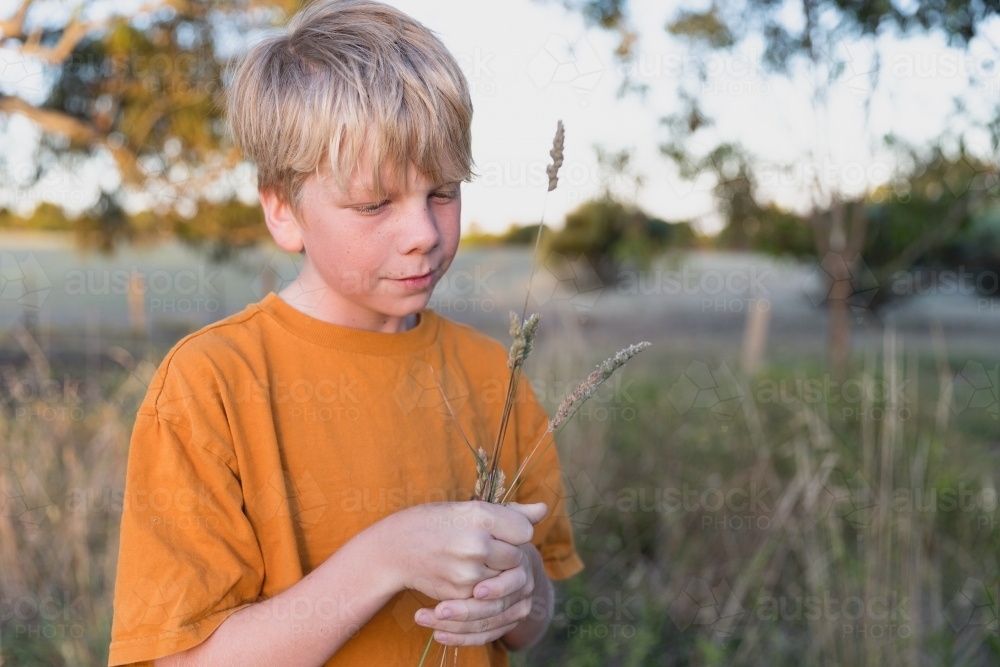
(269, 439)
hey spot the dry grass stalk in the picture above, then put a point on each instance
(489, 478)
(572, 403)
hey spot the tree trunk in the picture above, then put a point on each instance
(840, 326)
(839, 245)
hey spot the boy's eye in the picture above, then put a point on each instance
(445, 196)
(371, 208)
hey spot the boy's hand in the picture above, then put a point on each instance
(445, 549)
(499, 603)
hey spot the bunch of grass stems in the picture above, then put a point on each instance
(490, 478)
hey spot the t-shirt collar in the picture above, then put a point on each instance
(347, 338)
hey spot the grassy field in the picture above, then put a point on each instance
(800, 527)
(781, 517)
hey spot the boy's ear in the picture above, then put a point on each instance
(281, 221)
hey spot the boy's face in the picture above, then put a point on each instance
(368, 264)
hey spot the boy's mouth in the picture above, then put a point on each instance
(416, 282)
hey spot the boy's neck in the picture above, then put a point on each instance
(327, 307)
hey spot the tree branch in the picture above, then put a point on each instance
(70, 37)
(72, 34)
(13, 28)
(858, 230)
(79, 132)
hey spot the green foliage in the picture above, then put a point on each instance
(515, 235)
(227, 225)
(46, 217)
(929, 209)
(772, 231)
(703, 26)
(939, 213)
(724, 24)
(647, 553)
(610, 235)
(146, 87)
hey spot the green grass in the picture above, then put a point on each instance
(666, 583)
(820, 533)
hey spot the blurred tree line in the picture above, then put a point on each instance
(938, 209)
(221, 228)
(143, 88)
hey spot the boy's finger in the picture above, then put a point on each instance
(479, 617)
(510, 615)
(510, 525)
(462, 611)
(534, 512)
(506, 583)
(502, 556)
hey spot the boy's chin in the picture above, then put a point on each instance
(405, 306)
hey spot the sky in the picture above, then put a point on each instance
(532, 63)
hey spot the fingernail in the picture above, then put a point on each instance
(482, 592)
(423, 618)
(446, 613)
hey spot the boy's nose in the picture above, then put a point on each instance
(419, 230)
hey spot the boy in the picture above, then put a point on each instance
(298, 479)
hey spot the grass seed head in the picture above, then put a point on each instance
(557, 157)
(523, 334)
(482, 477)
(586, 389)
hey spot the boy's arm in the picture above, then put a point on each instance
(440, 549)
(344, 592)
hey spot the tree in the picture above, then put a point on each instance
(839, 219)
(612, 235)
(144, 89)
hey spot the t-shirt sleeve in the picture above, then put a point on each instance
(188, 557)
(554, 534)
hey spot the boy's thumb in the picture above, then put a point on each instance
(534, 512)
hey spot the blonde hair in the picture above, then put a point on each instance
(346, 78)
